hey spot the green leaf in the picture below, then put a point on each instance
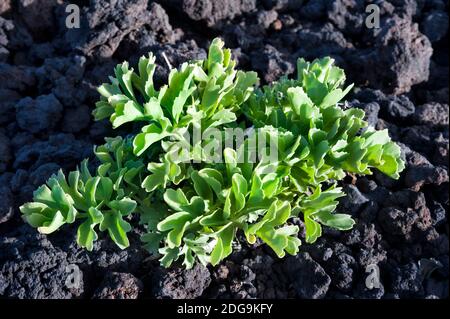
(223, 247)
(151, 213)
(392, 164)
(313, 230)
(189, 259)
(315, 89)
(151, 133)
(230, 158)
(107, 90)
(175, 95)
(175, 199)
(146, 70)
(153, 109)
(216, 218)
(196, 206)
(152, 242)
(125, 206)
(239, 187)
(86, 234)
(102, 110)
(156, 179)
(373, 137)
(50, 226)
(300, 99)
(270, 185)
(169, 255)
(222, 117)
(201, 187)
(175, 236)
(104, 190)
(213, 178)
(117, 228)
(175, 220)
(123, 76)
(335, 96)
(126, 112)
(215, 54)
(338, 221)
(280, 239)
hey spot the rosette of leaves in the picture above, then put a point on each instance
(330, 140)
(102, 201)
(205, 94)
(199, 219)
(336, 139)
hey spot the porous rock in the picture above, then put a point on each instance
(180, 283)
(40, 114)
(309, 279)
(118, 286)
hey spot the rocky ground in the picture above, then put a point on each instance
(48, 76)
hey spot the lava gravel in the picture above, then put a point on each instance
(48, 76)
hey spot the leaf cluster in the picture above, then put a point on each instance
(192, 208)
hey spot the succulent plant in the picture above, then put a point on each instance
(194, 195)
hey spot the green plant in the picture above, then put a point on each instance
(193, 207)
(331, 140)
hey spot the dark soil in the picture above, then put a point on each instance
(48, 76)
